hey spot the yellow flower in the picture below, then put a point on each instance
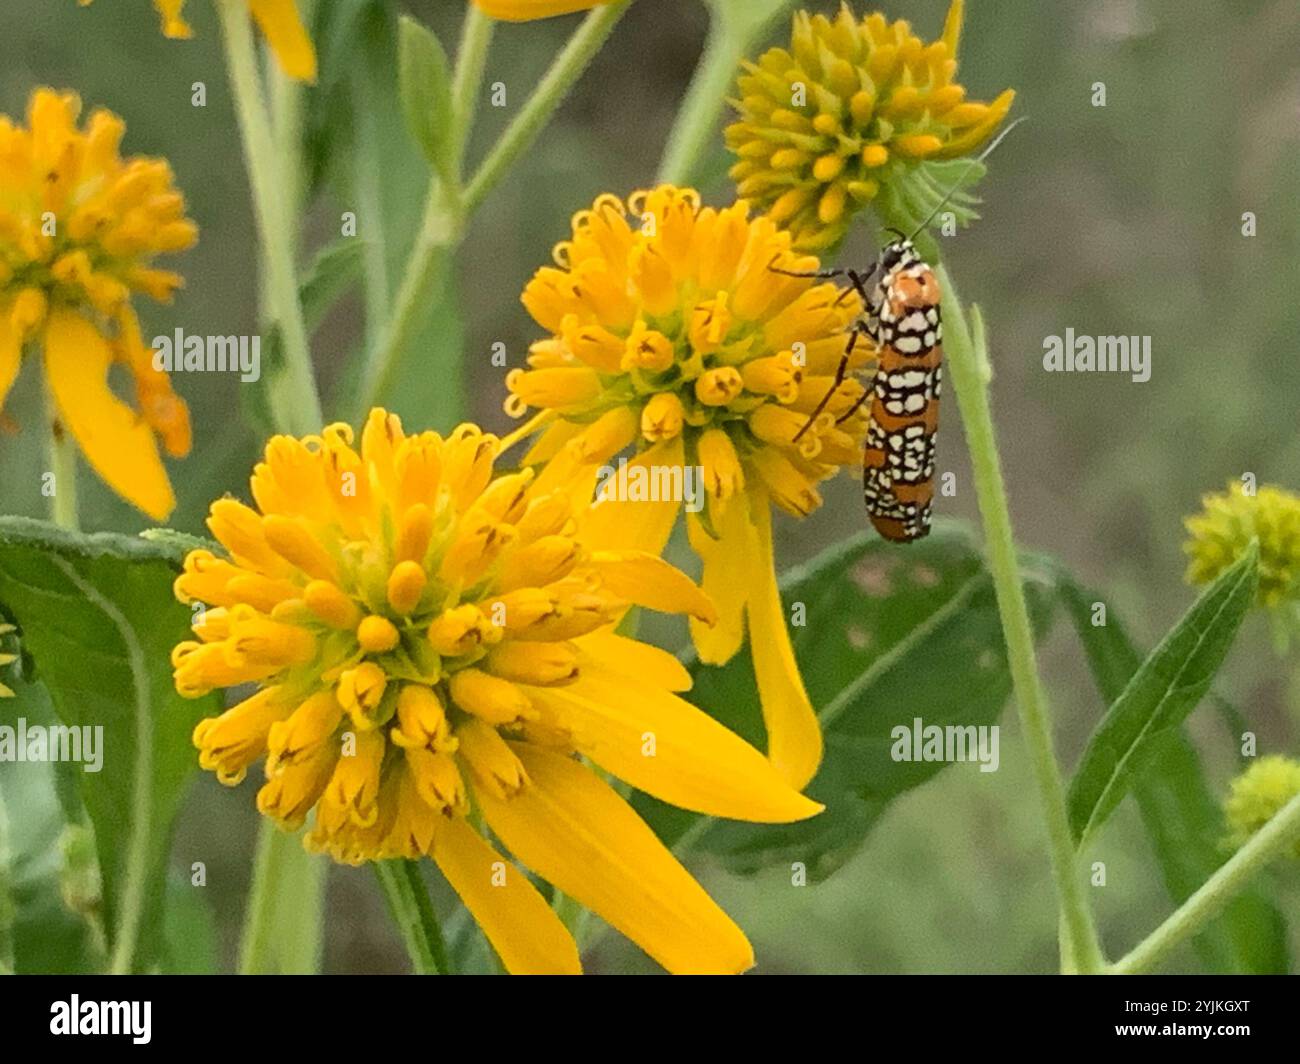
(79, 229)
(1229, 521)
(669, 333)
(1258, 795)
(526, 10)
(431, 641)
(279, 21)
(851, 108)
(6, 659)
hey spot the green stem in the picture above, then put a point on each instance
(288, 101)
(283, 922)
(431, 255)
(471, 58)
(731, 35)
(440, 230)
(1232, 877)
(412, 912)
(968, 365)
(545, 100)
(61, 451)
(294, 398)
(447, 209)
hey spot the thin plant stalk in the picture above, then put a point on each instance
(440, 226)
(1267, 844)
(294, 398)
(412, 912)
(448, 208)
(283, 926)
(969, 368)
(731, 36)
(551, 91)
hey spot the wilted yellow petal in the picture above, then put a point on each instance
(115, 441)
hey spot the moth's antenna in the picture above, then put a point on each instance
(969, 167)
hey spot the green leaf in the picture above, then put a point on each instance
(189, 930)
(382, 174)
(47, 938)
(891, 634)
(1180, 813)
(332, 273)
(424, 84)
(97, 615)
(1163, 691)
(338, 25)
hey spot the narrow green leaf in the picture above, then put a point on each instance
(1179, 811)
(97, 615)
(1165, 688)
(424, 83)
(332, 273)
(892, 634)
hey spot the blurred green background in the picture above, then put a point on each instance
(1124, 219)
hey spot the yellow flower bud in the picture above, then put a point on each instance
(662, 417)
(717, 387)
(377, 635)
(489, 698)
(406, 584)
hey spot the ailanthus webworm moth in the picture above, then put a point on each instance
(903, 320)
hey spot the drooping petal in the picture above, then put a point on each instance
(527, 935)
(112, 436)
(729, 565)
(794, 736)
(577, 833)
(287, 36)
(664, 746)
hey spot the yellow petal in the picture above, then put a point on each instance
(524, 10)
(112, 436)
(729, 575)
(952, 26)
(11, 356)
(976, 135)
(574, 831)
(636, 525)
(666, 747)
(794, 736)
(287, 37)
(527, 935)
(647, 580)
(654, 666)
